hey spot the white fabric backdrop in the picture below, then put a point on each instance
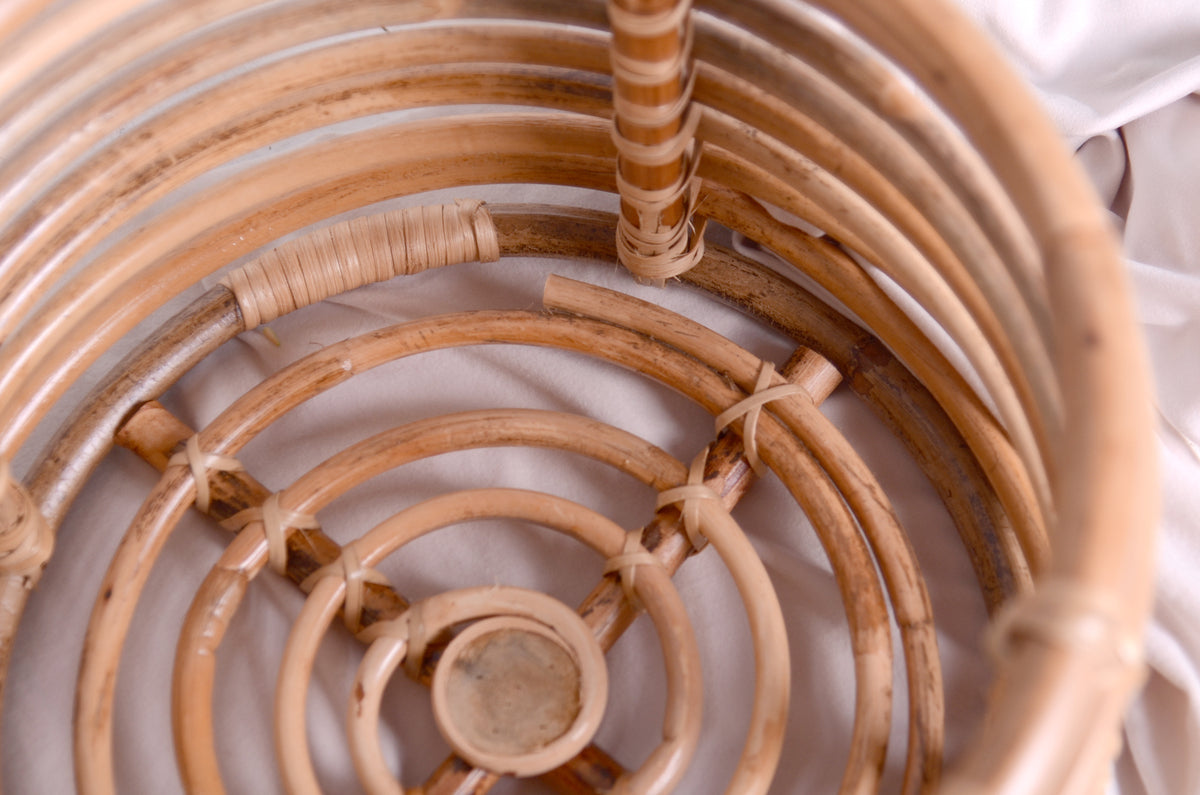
(1117, 75)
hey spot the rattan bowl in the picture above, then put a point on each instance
(148, 146)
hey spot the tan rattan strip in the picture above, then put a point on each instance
(349, 254)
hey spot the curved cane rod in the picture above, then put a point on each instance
(73, 192)
(99, 446)
(220, 594)
(46, 37)
(889, 544)
(727, 174)
(997, 363)
(892, 126)
(524, 134)
(1016, 373)
(907, 193)
(349, 79)
(1002, 556)
(144, 374)
(16, 14)
(994, 451)
(203, 630)
(1106, 478)
(881, 88)
(317, 488)
(681, 725)
(68, 97)
(852, 564)
(772, 674)
(231, 32)
(124, 580)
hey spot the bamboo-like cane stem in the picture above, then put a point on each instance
(650, 53)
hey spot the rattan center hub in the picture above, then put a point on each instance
(510, 694)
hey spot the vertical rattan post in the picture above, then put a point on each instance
(654, 130)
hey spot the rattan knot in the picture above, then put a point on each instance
(409, 629)
(633, 554)
(689, 495)
(360, 251)
(656, 236)
(1070, 616)
(26, 540)
(418, 639)
(276, 522)
(751, 408)
(201, 463)
(349, 568)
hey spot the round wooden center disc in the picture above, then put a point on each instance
(513, 692)
(516, 697)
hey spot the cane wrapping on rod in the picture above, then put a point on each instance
(654, 131)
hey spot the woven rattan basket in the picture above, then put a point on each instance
(143, 152)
